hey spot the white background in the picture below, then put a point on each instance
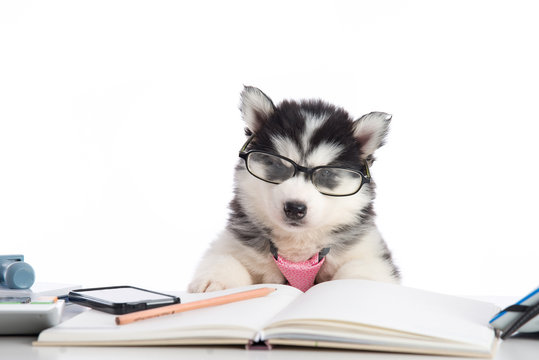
(119, 129)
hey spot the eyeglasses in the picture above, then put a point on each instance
(329, 180)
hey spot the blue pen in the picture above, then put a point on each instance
(521, 316)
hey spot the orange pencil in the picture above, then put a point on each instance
(177, 308)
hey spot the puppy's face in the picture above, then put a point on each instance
(308, 161)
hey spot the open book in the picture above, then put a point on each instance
(346, 314)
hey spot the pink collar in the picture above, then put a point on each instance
(300, 275)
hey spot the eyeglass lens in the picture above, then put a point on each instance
(270, 168)
(335, 181)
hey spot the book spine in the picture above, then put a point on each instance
(258, 345)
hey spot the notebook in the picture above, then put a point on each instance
(344, 314)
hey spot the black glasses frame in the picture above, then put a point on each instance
(365, 178)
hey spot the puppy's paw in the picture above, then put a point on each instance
(218, 283)
(374, 269)
(224, 274)
(205, 286)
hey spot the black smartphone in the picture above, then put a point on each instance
(120, 300)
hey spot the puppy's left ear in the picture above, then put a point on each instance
(370, 130)
(256, 107)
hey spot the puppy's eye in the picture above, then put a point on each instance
(325, 173)
(277, 164)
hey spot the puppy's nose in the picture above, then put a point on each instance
(295, 210)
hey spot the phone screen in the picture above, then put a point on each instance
(125, 295)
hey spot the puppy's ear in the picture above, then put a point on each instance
(256, 107)
(370, 130)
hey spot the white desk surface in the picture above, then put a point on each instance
(20, 348)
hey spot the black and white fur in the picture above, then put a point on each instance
(311, 133)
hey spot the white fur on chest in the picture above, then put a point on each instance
(300, 246)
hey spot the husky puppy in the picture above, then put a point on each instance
(302, 187)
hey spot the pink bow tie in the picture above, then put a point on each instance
(300, 275)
